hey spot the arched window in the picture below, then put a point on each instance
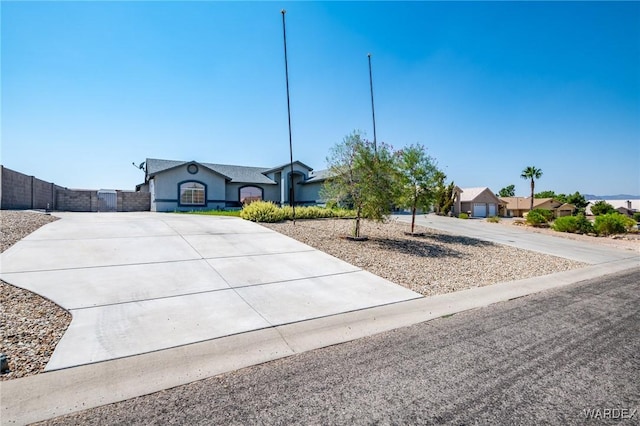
(192, 194)
(249, 194)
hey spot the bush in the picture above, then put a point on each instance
(463, 216)
(566, 224)
(266, 211)
(493, 219)
(613, 223)
(584, 225)
(262, 211)
(538, 217)
(636, 216)
(575, 224)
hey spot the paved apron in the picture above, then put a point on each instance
(141, 282)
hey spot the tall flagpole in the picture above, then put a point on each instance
(286, 70)
(373, 112)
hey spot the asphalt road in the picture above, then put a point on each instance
(541, 359)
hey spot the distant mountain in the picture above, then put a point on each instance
(612, 197)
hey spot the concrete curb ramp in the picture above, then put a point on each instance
(68, 390)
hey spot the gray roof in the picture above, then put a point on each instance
(278, 168)
(318, 176)
(155, 165)
(239, 174)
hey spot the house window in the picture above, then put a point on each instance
(249, 194)
(192, 194)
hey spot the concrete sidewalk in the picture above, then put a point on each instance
(142, 282)
(67, 390)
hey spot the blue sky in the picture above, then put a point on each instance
(489, 88)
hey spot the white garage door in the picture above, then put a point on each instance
(479, 210)
(492, 210)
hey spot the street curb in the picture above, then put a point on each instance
(61, 392)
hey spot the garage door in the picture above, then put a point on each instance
(492, 210)
(479, 210)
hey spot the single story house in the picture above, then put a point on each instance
(192, 185)
(627, 207)
(478, 202)
(520, 206)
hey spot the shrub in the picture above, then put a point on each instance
(566, 224)
(463, 216)
(266, 211)
(262, 211)
(493, 219)
(575, 224)
(613, 223)
(636, 216)
(584, 225)
(539, 216)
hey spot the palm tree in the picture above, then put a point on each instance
(531, 173)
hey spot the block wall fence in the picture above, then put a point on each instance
(21, 192)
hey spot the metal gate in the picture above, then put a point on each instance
(107, 200)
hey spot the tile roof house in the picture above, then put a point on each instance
(478, 202)
(192, 185)
(520, 206)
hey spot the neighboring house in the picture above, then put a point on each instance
(192, 185)
(478, 202)
(520, 206)
(628, 207)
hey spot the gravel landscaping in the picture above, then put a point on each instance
(30, 325)
(433, 264)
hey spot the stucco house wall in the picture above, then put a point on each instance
(223, 183)
(480, 202)
(310, 193)
(167, 189)
(269, 192)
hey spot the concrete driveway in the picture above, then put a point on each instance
(141, 282)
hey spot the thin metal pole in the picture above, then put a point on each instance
(373, 111)
(286, 70)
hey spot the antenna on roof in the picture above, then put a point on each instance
(140, 166)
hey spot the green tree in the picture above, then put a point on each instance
(417, 172)
(362, 178)
(546, 194)
(531, 173)
(507, 191)
(602, 207)
(443, 194)
(578, 200)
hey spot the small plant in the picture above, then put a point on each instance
(493, 219)
(613, 223)
(538, 217)
(636, 216)
(463, 216)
